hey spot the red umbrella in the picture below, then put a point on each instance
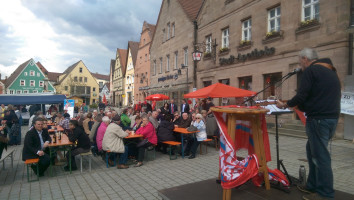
(219, 90)
(157, 97)
(104, 100)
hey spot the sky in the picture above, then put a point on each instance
(58, 33)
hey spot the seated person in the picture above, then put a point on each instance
(148, 131)
(113, 141)
(200, 136)
(65, 122)
(176, 120)
(101, 131)
(185, 122)
(87, 123)
(125, 120)
(137, 124)
(35, 146)
(165, 132)
(78, 135)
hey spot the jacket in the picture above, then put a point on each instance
(93, 131)
(125, 121)
(319, 93)
(32, 144)
(148, 132)
(165, 131)
(186, 108)
(79, 135)
(201, 135)
(100, 134)
(85, 124)
(184, 123)
(211, 125)
(154, 122)
(174, 108)
(113, 139)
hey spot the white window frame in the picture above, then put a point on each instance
(168, 30)
(25, 91)
(168, 63)
(185, 51)
(161, 66)
(25, 73)
(154, 67)
(32, 73)
(247, 28)
(312, 6)
(18, 91)
(275, 19)
(225, 38)
(208, 43)
(24, 82)
(34, 83)
(38, 74)
(11, 91)
(41, 83)
(176, 60)
(34, 91)
(173, 30)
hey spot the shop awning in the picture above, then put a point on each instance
(26, 99)
(219, 90)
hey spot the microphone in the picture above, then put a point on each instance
(297, 70)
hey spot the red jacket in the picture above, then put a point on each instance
(148, 132)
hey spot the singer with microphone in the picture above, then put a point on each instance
(319, 97)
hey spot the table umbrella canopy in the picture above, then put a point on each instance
(157, 97)
(104, 99)
(219, 90)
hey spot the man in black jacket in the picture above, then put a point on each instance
(78, 135)
(319, 97)
(35, 146)
(172, 107)
(184, 107)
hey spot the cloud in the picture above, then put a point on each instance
(59, 33)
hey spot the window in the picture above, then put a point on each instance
(18, 91)
(163, 35)
(274, 19)
(273, 82)
(168, 63)
(176, 60)
(225, 81)
(225, 38)
(311, 10)
(160, 65)
(22, 83)
(80, 70)
(38, 74)
(11, 91)
(208, 44)
(186, 56)
(32, 73)
(246, 29)
(85, 79)
(207, 83)
(245, 83)
(25, 73)
(66, 88)
(144, 41)
(75, 79)
(41, 83)
(80, 79)
(25, 91)
(32, 83)
(93, 89)
(173, 30)
(100, 84)
(34, 91)
(154, 68)
(146, 57)
(168, 30)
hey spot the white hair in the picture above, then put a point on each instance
(106, 119)
(309, 53)
(94, 110)
(199, 116)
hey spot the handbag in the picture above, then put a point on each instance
(143, 143)
(192, 128)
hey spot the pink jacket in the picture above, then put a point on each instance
(148, 132)
(100, 133)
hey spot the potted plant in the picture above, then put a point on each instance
(224, 49)
(245, 43)
(308, 23)
(207, 54)
(272, 34)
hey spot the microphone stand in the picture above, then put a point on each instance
(281, 80)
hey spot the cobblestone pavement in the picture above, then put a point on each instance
(144, 182)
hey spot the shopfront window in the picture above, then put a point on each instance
(245, 82)
(272, 81)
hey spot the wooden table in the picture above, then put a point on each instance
(63, 144)
(254, 116)
(58, 129)
(183, 131)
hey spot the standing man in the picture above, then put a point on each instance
(35, 146)
(172, 107)
(209, 104)
(319, 97)
(184, 107)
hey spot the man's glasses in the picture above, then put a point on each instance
(197, 118)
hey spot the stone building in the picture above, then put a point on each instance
(142, 67)
(118, 77)
(172, 47)
(252, 44)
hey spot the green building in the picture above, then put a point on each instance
(28, 78)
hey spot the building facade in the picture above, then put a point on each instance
(28, 78)
(142, 67)
(118, 77)
(111, 77)
(254, 50)
(129, 74)
(172, 47)
(78, 83)
(101, 79)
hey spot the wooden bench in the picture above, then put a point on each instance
(8, 154)
(172, 144)
(204, 142)
(29, 162)
(217, 142)
(87, 154)
(108, 153)
(152, 150)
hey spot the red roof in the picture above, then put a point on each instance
(134, 47)
(191, 8)
(123, 59)
(43, 69)
(53, 76)
(100, 76)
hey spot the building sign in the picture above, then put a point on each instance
(255, 54)
(347, 103)
(144, 88)
(164, 78)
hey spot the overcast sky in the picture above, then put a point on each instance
(59, 33)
